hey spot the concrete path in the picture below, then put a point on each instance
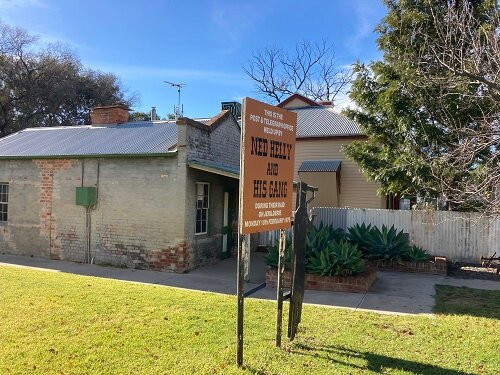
(392, 292)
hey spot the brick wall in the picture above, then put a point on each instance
(114, 114)
(221, 145)
(145, 215)
(49, 176)
(353, 284)
(137, 218)
(437, 266)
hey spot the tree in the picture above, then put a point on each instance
(144, 116)
(310, 70)
(46, 85)
(139, 116)
(431, 108)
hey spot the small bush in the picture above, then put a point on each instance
(358, 235)
(387, 244)
(322, 262)
(337, 259)
(272, 256)
(331, 251)
(416, 254)
(318, 238)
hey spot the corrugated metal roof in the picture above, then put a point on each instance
(144, 137)
(323, 122)
(319, 166)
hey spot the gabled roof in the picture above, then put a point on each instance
(320, 121)
(327, 165)
(317, 120)
(133, 138)
(302, 98)
(128, 139)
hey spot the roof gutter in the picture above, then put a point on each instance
(207, 168)
(169, 154)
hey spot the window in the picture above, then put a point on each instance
(202, 203)
(404, 204)
(4, 201)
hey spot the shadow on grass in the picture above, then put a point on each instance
(452, 300)
(375, 362)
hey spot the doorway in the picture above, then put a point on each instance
(228, 216)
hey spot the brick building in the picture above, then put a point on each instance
(156, 195)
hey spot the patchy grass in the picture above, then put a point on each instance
(467, 301)
(53, 322)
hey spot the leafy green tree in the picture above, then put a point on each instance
(430, 108)
(139, 116)
(46, 85)
(144, 116)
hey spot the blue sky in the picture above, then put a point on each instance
(203, 44)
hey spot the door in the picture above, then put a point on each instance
(227, 219)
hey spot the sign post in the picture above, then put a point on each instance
(239, 291)
(300, 228)
(266, 181)
(279, 286)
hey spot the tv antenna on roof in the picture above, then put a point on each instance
(178, 111)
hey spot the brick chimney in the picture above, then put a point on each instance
(109, 114)
(326, 103)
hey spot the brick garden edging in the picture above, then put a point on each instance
(354, 284)
(438, 266)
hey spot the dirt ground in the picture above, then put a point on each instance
(472, 271)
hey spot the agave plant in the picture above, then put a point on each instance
(387, 244)
(358, 235)
(272, 257)
(322, 262)
(416, 254)
(349, 258)
(338, 258)
(320, 237)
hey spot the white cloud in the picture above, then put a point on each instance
(230, 22)
(54, 38)
(367, 16)
(6, 5)
(343, 101)
(13, 10)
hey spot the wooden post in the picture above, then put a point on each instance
(239, 291)
(279, 287)
(247, 258)
(300, 227)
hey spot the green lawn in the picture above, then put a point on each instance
(56, 323)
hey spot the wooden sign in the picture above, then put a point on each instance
(267, 161)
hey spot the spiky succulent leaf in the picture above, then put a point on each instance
(358, 235)
(322, 262)
(416, 254)
(387, 244)
(272, 257)
(349, 258)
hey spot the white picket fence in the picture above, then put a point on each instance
(462, 237)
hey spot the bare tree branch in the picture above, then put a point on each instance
(469, 50)
(310, 70)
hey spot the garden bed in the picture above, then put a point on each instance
(436, 266)
(354, 284)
